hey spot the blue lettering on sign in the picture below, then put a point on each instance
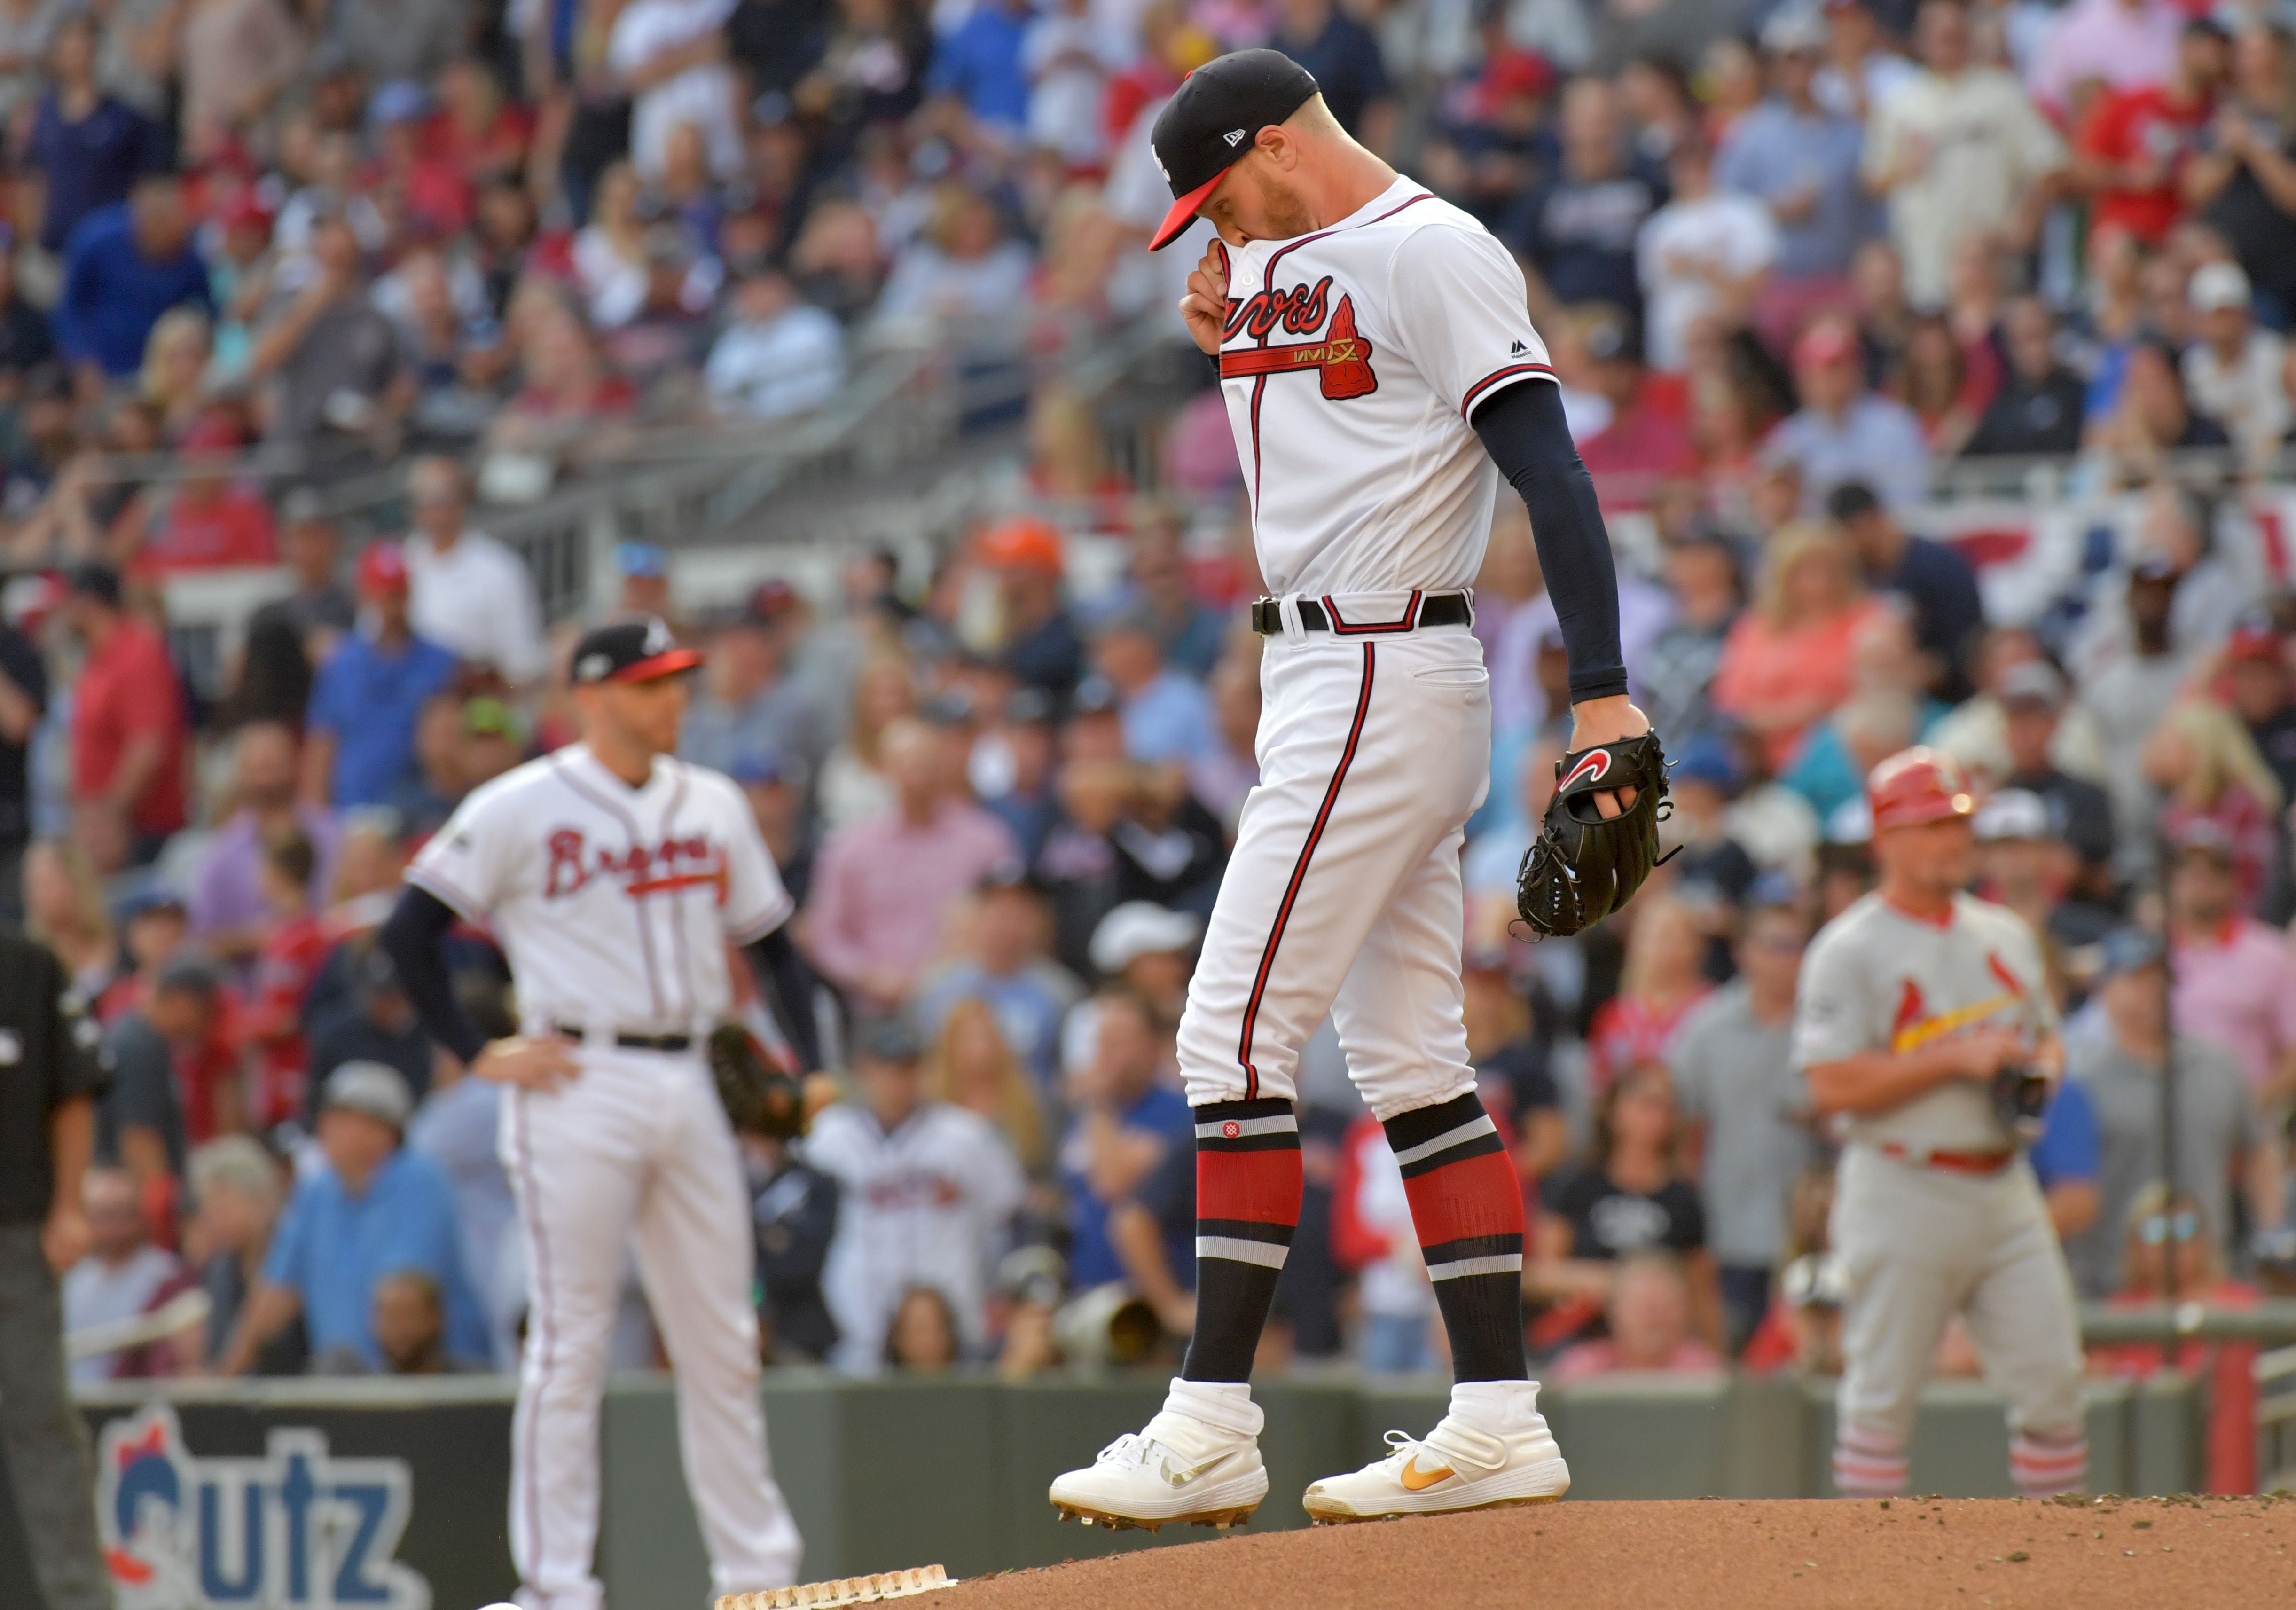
(296, 1529)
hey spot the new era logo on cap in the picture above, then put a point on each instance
(1215, 112)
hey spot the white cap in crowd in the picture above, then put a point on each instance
(1139, 928)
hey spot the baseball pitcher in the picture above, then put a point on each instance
(1381, 374)
(1924, 1016)
(614, 876)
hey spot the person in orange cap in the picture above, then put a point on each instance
(1041, 643)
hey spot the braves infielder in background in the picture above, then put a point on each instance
(1368, 335)
(614, 876)
(1912, 1001)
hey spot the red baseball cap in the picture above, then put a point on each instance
(1827, 342)
(1917, 785)
(2254, 638)
(381, 569)
(1027, 545)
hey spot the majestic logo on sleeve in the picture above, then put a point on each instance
(1341, 359)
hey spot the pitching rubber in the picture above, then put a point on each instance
(845, 1590)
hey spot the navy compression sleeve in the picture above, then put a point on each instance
(414, 938)
(787, 984)
(1523, 431)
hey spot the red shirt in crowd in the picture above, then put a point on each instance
(129, 690)
(203, 532)
(284, 969)
(1627, 1031)
(2129, 126)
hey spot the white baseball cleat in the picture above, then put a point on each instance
(1454, 1466)
(1178, 1469)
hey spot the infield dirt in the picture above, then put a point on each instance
(1713, 1554)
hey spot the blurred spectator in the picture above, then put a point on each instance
(1786, 662)
(1801, 162)
(672, 53)
(1843, 432)
(2154, 415)
(1372, 1236)
(964, 268)
(2132, 148)
(1677, 673)
(410, 1325)
(1746, 1112)
(2218, 793)
(127, 729)
(977, 64)
(293, 949)
(1166, 714)
(2039, 406)
(238, 1189)
(2168, 1254)
(2068, 1159)
(853, 784)
(926, 1189)
(2258, 685)
(2234, 372)
(123, 1278)
(793, 1206)
(455, 1128)
(89, 147)
(748, 702)
(1648, 1321)
(1149, 948)
(1661, 984)
(1069, 52)
(211, 521)
(778, 355)
(1344, 57)
(367, 698)
(229, 914)
(289, 638)
(2220, 1141)
(374, 1209)
(1712, 869)
(775, 791)
(63, 909)
(972, 1064)
(1039, 639)
(470, 594)
(124, 266)
(330, 357)
(1702, 257)
(24, 704)
(1012, 768)
(2023, 863)
(883, 889)
(379, 1030)
(2235, 980)
(1935, 580)
(2128, 692)
(1630, 1196)
(1958, 151)
(2242, 181)
(172, 1081)
(1127, 1118)
(1512, 1078)
(1002, 964)
(1577, 229)
(27, 342)
(2120, 45)
(923, 1335)
(235, 58)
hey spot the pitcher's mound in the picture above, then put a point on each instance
(1844, 1554)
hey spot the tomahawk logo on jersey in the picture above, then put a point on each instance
(1352, 360)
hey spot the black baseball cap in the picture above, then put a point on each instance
(1213, 119)
(631, 651)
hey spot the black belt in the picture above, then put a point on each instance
(634, 1042)
(1424, 609)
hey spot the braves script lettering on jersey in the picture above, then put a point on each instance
(1933, 1214)
(1351, 361)
(614, 905)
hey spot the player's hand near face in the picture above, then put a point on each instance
(538, 1064)
(1205, 306)
(1606, 721)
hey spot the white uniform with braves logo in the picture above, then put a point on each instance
(1921, 1235)
(1351, 361)
(615, 905)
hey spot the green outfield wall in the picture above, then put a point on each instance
(393, 1492)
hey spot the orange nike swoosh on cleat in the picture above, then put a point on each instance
(1415, 1480)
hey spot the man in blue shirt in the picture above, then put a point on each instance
(1577, 231)
(376, 1210)
(360, 747)
(124, 266)
(1166, 716)
(1127, 1120)
(2067, 1158)
(1938, 581)
(88, 145)
(1802, 160)
(978, 62)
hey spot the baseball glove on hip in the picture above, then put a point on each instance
(759, 1095)
(1583, 867)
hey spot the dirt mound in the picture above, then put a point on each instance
(1713, 1554)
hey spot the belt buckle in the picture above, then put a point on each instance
(1267, 616)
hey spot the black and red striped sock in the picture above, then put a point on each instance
(1466, 1204)
(1248, 1185)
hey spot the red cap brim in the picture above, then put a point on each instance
(668, 663)
(1183, 213)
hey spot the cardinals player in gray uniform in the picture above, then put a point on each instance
(617, 880)
(1913, 1006)
(1382, 375)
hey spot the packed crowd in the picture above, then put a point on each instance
(1789, 260)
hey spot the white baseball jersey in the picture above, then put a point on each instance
(925, 1205)
(1351, 362)
(613, 903)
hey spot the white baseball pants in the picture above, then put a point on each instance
(637, 1145)
(1343, 894)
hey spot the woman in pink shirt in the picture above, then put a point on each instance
(1786, 663)
(1658, 986)
(2202, 758)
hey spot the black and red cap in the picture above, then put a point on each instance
(1212, 119)
(631, 651)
